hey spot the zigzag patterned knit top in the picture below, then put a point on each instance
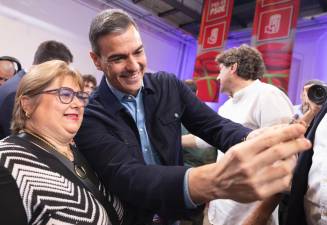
(35, 188)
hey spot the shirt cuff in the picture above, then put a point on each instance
(201, 144)
(187, 198)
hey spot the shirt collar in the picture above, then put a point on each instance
(119, 94)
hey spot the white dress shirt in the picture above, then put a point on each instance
(255, 106)
(315, 200)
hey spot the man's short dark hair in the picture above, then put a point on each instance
(250, 65)
(50, 50)
(107, 22)
(90, 78)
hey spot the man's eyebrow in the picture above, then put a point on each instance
(139, 48)
(120, 55)
(116, 56)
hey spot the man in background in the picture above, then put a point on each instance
(193, 156)
(7, 69)
(90, 83)
(308, 199)
(253, 104)
(48, 50)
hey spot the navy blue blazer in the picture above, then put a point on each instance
(296, 213)
(110, 141)
(7, 100)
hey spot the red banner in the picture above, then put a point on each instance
(216, 16)
(273, 34)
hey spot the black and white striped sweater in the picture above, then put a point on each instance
(35, 188)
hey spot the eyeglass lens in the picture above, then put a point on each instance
(66, 95)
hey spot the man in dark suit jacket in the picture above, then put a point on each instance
(297, 215)
(46, 51)
(7, 100)
(131, 135)
(7, 68)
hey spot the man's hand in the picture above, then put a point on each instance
(310, 108)
(249, 171)
(312, 111)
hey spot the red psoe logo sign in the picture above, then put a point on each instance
(216, 16)
(217, 9)
(275, 24)
(214, 35)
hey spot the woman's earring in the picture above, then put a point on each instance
(27, 115)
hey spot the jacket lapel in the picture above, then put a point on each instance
(107, 98)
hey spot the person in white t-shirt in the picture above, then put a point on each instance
(253, 104)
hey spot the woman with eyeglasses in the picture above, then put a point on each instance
(43, 178)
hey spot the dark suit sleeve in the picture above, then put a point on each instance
(146, 187)
(11, 207)
(205, 123)
(6, 109)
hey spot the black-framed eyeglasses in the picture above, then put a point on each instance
(66, 95)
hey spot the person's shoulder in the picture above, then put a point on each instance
(11, 85)
(7, 101)
(271, 94)
(160, 81)
(6, 89)
(10, 145)
(94, 104)
(270, 89)
(14, 81)
(99, 107)
(160, 76)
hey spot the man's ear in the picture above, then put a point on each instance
(96, 60)
(234, 68)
